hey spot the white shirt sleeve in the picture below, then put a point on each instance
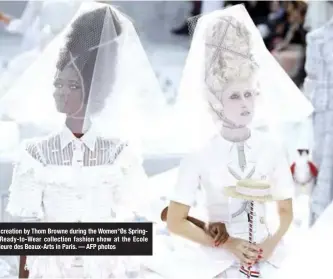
(188, 181)
(281, 178)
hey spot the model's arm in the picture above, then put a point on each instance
(195, 221)
(285, 210)
(178, 223)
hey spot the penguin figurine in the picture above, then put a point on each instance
(304, 171)
(305, 174)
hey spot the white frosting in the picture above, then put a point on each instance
(253, 192)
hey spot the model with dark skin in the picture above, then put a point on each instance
(72, 82)
(216, 230)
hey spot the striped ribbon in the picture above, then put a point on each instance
(247, 271)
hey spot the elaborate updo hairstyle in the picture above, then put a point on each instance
(229, 57)
(83, 42)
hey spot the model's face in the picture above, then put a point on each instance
(238, 102)
(69, 93)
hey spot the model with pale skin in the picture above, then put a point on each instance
(232, 92)
(239, 108)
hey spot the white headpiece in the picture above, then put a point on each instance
(228, 52)
(227, 48)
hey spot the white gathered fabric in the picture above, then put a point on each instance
(63, 179)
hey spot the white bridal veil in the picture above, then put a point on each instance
(227, 47)
(121, 96)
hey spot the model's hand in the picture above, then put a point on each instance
(246, 252)
(164, 214)
(218, 232)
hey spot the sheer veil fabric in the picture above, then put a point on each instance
(227, 47)
(119, 92)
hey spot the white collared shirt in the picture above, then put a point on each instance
(64, 149)
(60, 178)
(210, 168)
